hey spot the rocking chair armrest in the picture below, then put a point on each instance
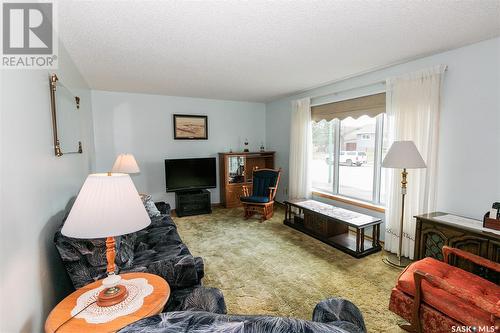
(447, 250)
(459, 292)
(272, 192)
(245, 191)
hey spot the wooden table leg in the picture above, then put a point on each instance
(378, 234)
(362, 240)
(357, 239)
(374, 235)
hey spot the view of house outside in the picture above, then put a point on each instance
(356, 156)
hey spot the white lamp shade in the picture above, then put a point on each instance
(403, 155)
(108, 205)
(125, 163)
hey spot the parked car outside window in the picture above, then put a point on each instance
(350, 158)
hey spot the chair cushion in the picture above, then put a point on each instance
(454, 307)
(262, 180)
(255, 199)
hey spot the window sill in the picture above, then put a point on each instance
(350, 201)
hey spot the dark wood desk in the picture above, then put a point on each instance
(331, 224)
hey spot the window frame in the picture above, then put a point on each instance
(377, 165)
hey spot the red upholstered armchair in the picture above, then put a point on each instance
(435, 297)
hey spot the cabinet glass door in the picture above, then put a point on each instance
(236, 169)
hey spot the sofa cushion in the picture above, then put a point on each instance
(172, 263)
(456, 308)
(255, 199)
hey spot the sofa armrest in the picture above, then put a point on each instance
(205, 299)
(447, 250)
(180, 271)
(341, 312)
(161, 230)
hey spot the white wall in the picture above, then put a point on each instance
(35, 187)
(141, 124)
(469, 142)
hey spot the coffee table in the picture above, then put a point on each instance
(332, 225)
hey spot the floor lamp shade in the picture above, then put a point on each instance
(125, 163)
(403, 155)
(108, 205)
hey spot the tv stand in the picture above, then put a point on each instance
(192, 202)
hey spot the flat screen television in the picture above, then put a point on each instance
(190, 174)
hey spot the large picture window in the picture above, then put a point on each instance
(347, 155)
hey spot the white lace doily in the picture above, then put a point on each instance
(138, 289)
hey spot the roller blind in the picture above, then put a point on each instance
(371, 106)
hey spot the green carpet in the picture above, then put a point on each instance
(270, 268)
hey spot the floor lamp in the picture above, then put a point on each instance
(402, 155)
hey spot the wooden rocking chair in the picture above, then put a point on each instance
(261, 200)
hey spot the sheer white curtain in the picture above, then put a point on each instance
(413, 104)
(299, 185)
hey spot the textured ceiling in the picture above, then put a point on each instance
(258, 50)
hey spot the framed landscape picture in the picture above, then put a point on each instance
(190, 127)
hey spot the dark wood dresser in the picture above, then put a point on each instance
(432, 233)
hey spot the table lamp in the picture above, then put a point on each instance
(402, 155)
(125, 163)
(108, 205)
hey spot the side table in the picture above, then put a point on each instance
(153, 304)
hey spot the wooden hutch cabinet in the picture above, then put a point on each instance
(236, 170)
(432, 234)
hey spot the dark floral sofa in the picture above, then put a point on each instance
(157, 249)
(333, 315)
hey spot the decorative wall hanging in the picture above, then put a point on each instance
(65, 118)
(190, 127)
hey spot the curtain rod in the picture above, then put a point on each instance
(354, 88)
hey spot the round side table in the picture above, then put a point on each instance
(153, 304)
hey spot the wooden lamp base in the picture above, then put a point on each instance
(112, 296)
(113, 292)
